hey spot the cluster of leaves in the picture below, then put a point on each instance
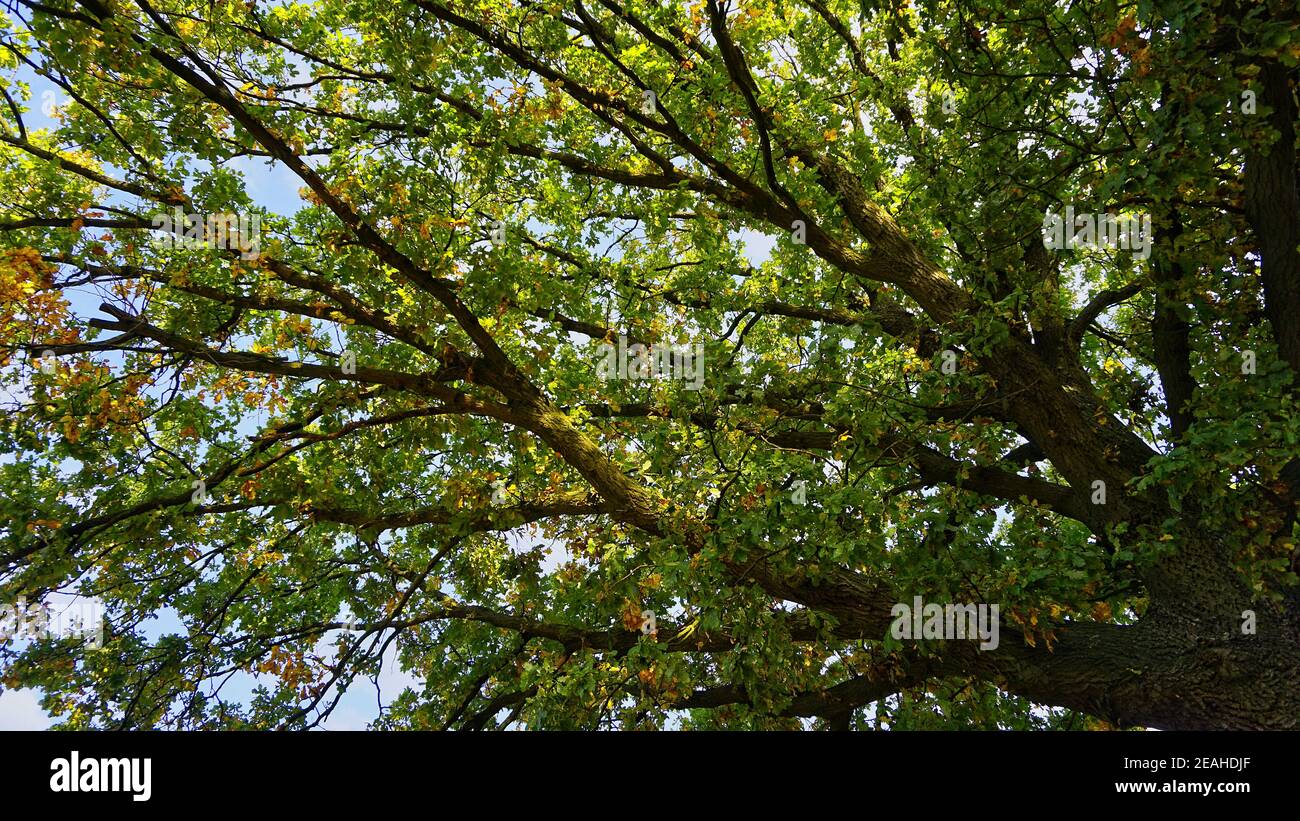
(420, 133)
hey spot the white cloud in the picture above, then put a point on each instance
(20, 710)
(757, 246)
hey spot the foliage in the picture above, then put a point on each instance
(893, 162)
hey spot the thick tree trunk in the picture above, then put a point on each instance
(1194, 679)
(1193, 661)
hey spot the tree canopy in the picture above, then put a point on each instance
(383, 429)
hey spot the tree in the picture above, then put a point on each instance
(387, 402)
